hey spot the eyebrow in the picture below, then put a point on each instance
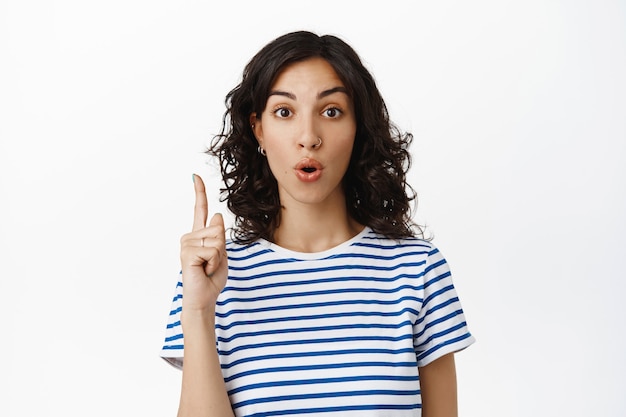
(334, 90)
(322, 94)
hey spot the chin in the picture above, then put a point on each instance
(318, 198)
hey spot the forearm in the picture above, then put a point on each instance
(203, 390)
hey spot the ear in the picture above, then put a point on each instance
(255, 124)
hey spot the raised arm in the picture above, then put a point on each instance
(205, 271)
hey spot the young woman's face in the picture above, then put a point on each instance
(307, 130)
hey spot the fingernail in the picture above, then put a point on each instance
(193, 178)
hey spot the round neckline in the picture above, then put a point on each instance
(288, 253)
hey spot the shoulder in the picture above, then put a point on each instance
(375, 240)
(419, 251)
(233, 246)
(247, 256)
(239, 251)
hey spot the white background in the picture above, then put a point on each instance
(519, 114)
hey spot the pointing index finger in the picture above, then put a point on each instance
(201, 209)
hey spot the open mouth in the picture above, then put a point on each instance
(308, 165)
(308, 170)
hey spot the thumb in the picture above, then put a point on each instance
(217, 220)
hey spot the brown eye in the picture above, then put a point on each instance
(283, 112)
(332, 112)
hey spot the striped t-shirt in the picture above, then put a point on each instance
(334, 333)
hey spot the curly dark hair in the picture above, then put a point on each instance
(377, 194)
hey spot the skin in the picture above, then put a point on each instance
(307, 102)
(438, 386)
(204, 267)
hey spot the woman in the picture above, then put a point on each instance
(325, 302)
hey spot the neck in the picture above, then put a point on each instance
(315, 228)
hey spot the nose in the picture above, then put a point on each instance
(309, 137)
(312, 144)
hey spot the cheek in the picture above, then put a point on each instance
(344, 152)
(346, 134)
(277, 161)
(345, 143)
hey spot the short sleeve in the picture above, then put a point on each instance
(440, 327)
(172, 350)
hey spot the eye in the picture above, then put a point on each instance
(282, 112)
(332, 112)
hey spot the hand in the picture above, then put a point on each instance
(203, 256)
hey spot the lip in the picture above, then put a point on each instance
(305, 176)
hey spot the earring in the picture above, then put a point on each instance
(261, 150)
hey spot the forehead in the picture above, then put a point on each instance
(311, 73)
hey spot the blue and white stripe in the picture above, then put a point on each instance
(341, 332)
